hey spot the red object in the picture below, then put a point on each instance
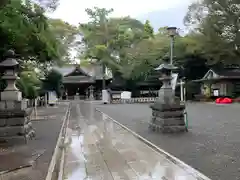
(223, 100)
(217, 100)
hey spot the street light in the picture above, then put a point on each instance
(172, 31)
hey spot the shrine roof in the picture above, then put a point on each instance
(94, 71)
(221, 74)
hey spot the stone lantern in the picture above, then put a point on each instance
(167, 112)
(91, 90)
(14, 114)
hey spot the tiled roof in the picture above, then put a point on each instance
(226, 72)
(94, 71)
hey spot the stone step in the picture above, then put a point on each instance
(14, 121)
(169, 122)
(168, 114)
(24, 137)
(15, 130)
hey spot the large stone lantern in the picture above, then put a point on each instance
(167, 112)
(14, 114)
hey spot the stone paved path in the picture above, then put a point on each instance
(212, 144)
(102, 149)
(37, 154)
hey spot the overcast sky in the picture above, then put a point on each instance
(73, 11)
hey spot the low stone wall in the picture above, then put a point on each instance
(134, 100)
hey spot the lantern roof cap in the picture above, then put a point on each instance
(10, 60)
(166, 66)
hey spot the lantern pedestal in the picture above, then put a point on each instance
(11, 95)
(167, 112)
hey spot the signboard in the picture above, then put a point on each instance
(116, 96)
(126, 95)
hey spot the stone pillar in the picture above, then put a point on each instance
(91, 96)
(167, 112)
(14, 115)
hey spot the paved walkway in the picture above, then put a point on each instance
(102, 149)
(20, 161)
(212, 144)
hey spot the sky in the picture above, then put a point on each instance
(73, 11)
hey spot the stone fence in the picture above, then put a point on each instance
(134, 100)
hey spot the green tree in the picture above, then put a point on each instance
(96, 37)
(53, 82)
(29, 84)
(66, 34)
(112, 42)
(148, 29)
(217, 23)
(25, 28)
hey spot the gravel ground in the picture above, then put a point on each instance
(211, 146)
(47, 132)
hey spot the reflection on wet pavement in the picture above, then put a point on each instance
(102, 150)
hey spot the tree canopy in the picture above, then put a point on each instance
(25, 28)
(217, 23)
(117, 42)
(37, 40)
(131, 48)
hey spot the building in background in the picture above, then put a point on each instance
(78, 80)
(218, 82)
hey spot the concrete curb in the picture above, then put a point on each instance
(189, 169)
(54, 164)
(60, 175)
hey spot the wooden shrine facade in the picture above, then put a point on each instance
(221, 82)
(78, 81)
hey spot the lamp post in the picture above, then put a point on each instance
(172, 31)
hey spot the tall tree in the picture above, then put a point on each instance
(97, 36)
(111, 42)
(218, 23)
(148, 29)
(25, 28)
(66, 34)
(53, 82)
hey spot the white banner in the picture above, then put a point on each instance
(174, 80)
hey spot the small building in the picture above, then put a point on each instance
(221, 82)
(77, 80)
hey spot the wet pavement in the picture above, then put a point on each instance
(20, 161)
(211, 146)
(100, 149)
